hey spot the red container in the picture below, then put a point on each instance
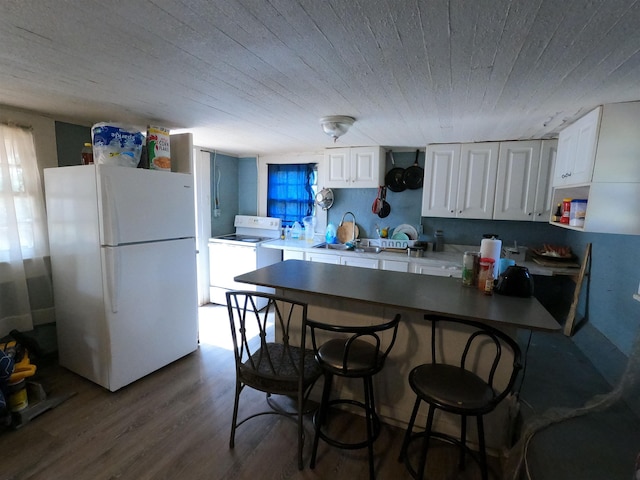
(566, 209)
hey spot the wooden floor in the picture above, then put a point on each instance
(175, 423)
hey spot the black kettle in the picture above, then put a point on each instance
(515, 281)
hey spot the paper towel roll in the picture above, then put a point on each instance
(491, 248)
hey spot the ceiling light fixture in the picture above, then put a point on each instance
(336, 125)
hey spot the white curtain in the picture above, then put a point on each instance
(25, 280)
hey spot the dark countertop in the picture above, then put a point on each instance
(425, 293)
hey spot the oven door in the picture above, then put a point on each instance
(227, 261)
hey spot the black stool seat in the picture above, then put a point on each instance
(356, 353)
(452, 388)
(458, 389)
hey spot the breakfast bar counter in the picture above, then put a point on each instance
(423, 293)
(339, 294)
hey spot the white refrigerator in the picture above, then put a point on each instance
(123, 259)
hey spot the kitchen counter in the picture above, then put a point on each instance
(451, 258)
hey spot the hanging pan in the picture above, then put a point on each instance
(385, 208)
(377, 203)
(393, 178)
(413, 176)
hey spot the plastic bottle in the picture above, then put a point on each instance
(488, 283)
(438, 244)
(558, 215)
(330, 234)
(296, 231)
(87, 154)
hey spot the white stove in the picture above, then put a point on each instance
(236, 253)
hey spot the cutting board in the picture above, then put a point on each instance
(345, 232)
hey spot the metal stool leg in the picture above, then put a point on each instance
(320, 416)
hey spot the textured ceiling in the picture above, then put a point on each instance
(253, 77)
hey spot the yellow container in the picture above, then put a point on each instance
(18, 399)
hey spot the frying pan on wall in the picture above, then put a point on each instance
(413, 176)
(394, 177)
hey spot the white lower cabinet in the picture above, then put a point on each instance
(359, 262)
(322, 258)
(375, 263)
(394, 265)
(292, 255)
(443, 271)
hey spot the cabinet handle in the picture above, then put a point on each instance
(452, 211)
(460, 211)
(539, 213)
(529, 214)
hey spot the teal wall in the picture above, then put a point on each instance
(70, 139)
(248, 184)
(225, 169)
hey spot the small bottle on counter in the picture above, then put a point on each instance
(486, 269)
(438, 243)
(558, 215)
(488, 283)
(87, 154)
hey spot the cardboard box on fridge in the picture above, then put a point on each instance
(159, 148)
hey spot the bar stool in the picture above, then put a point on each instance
(458, 388)
(358, 352)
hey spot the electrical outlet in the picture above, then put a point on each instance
(216, 212)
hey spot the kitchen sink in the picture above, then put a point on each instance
(345, 247)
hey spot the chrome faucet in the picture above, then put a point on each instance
(353, 240)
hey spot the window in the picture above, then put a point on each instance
(291, 191)
(22, 220)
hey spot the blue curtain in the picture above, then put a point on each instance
(291, 192)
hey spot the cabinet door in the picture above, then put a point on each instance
(394, 265)
(365, 167)
(338, 168)
(587, 131)
(477, 180)
(292, 255)
(518, 169)
(543, 206)
(322, 258)
(441, 172)
(577, 150)
(443, 271)
(567, 141)
(359, 262)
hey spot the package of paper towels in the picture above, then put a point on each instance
(491, 248)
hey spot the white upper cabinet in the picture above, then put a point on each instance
(477, 183)
(524, 181)
(577, 150)
(543, 206)
(440, 186)
(459, 180)
(611, 183)
(518, 166)
(357, 167)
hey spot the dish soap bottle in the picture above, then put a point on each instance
(330, 234)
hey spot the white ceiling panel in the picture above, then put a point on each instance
(253, 77)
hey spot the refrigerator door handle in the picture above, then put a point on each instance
(110, 213)
(112, 269)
